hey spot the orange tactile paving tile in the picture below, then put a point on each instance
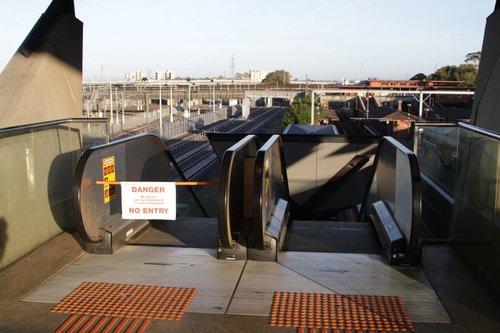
(129, 301)
(96, 324)
(339, 313)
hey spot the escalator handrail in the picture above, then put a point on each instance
(414, 241)
(78, 178)
(227, 171)
(260, 223)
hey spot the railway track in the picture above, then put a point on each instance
(192, 152)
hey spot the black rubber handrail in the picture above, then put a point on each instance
(226, 179)
(78, 178)
(260, 223)
(414, 242)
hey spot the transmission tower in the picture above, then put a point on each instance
(232, 65)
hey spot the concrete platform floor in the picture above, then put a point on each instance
(470, 307)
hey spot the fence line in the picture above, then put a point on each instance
(149, 122)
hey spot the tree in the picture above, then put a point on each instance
(468, 74)
(419, 76)
(300, 111)
(448, 73)
(473, 57)
(280, 77)
(464, 72)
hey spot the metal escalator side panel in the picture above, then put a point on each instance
(389, 234)
(224, 224)
(81, 228)
(139, 158)
(260, 199)
(269, 187)
(395, 180)
(230, 198)
(415, 240)
(270, 201)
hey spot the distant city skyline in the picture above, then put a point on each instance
(320, 39)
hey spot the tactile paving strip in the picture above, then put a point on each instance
(124, 300)
(339, 313)
(96, 324)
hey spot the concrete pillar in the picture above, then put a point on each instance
(421, 105)
(269, 102)
(245, 108)
(146, 102)
(400, 105)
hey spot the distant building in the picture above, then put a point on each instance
(346, 82)
(257, 75)
(137, 76)
(393, 83)
(414, 83)
(242, 76)
(166, 75)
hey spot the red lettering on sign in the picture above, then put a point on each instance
(148, 189)
(154, 210)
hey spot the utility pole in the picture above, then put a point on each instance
(123, 105)
(213, 97)
(171, 105)
(367, 105)
(161, 114)
(117, 106)
(111, 102)
(312, 107)
(189, 100)
(421, 105)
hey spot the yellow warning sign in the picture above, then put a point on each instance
(109, 175)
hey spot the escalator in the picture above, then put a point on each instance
(140, 158)
(388, 220)
(287, 193)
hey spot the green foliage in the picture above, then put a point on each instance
(280, 77)
(419, 76)
(474, 57)
(446, 73)
(300, 111)
(464, 72)
(467, 73)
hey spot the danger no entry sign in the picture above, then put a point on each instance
(148, 200)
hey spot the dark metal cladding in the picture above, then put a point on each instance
(45, 24)
(486, 97)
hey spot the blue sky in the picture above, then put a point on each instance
(323, 39)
